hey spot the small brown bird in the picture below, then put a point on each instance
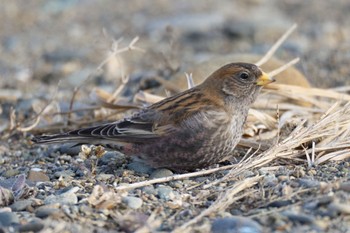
(193, 129)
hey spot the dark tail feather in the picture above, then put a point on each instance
(78, 139)
(60, 138)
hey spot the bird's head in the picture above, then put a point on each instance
(241, 81)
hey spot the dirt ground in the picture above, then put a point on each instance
(54, 51)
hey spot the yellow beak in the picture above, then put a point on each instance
(264, 79)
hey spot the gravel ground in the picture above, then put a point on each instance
(51, 51)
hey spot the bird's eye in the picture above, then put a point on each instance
(244, 75)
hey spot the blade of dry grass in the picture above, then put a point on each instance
(284, 67)
(303, 91)
(274, 48)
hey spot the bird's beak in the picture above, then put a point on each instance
(264, 79)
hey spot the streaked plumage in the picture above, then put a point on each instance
(193, 129)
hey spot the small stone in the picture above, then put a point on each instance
(176, 204)
(65, 174)
(140, 167)
(11, 173)
(340, 208)
(5, 209)
(176, 184)
(70, 149)
(86, 210)
(66, 158)
(283, 178)
(345, 186)
(105, 177)
(112, 158)
(8, 218)
(166, 193)
(311, 205)
(308, 183)
(162, 172)
(32, 226)
(299, 218)
(45, 211)
(247, 174)
(280, 203)
(149, 190)
(6, 197)
(263, 171)
(37, 176)
(270, 180)
(235, 225)
(65, 198)
(21, 205)
(133, 202)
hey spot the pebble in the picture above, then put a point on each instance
(37, 176)
(45, 211)
(133, 202)
(32, 226)
(283, 178)
(280, 203)
(112, 158)
(308, 183)
(69, 149)
(105, 177)
(5, 209)
(162, 172)
(286, 190)
(66, 158)
(21, 205)
(6, 196)
(263, 171)
(247, 174)
(8, 218)
(140, 167)
(345, 186)
(176, 184)
(340, 208)
(165, 192)
(64, 198)
(64, 174)
(10, 173)
(270, 180)
(149, 190)
(235, 225)
(299, 217)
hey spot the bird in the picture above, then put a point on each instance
(193, 129)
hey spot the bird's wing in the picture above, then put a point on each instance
(141, 127)
(138, 128)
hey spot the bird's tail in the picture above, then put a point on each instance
(61, 138)
(85, 135)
